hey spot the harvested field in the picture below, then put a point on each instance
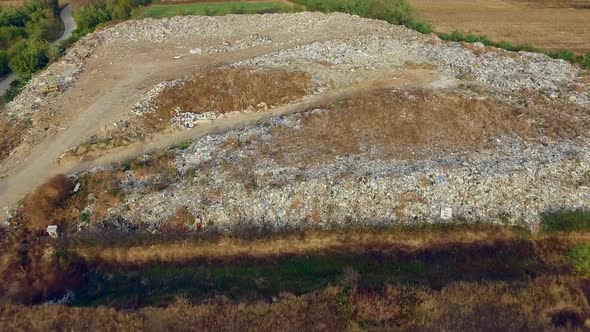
(551, 25)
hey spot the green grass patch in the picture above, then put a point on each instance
(566, 221)
(214, 9)
(579, 257)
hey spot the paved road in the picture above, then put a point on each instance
(69, 26)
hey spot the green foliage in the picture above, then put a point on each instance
(184, 145)
(212, 9)
(584, 61)
(88, 17)
(10, 16)
(579, 257)
(421, 27)
(563, 55)
(10, 34)
(119, 9)
(566, 221)
(4, 69)
(392, 11)
(27, 57)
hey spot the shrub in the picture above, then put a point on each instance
(88, 17)
(563, 55)
(421, 27)
(119, 9)
(40, 204)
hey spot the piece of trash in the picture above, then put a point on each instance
(77, 187)
(446, 213)
(177, 57)
(52, 231)
(195, 51)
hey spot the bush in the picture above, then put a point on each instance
(563, 55)
(421, 27)
(27, 57)
(88, 17)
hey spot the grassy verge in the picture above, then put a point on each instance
(582, 60)
(213, 8)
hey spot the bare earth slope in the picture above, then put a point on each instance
(111, 82)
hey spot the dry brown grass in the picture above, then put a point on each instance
(180, 221)
(315, 241)
(10, 136)
(31, 269)
(224, 90)
(541, 304)
(547, 24)
(40, 206)
(396, 125)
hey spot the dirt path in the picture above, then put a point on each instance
(42, 165)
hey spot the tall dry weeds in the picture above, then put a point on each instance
(224, 90)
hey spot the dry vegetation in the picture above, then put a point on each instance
(224, 90)
(544, 304)
(10, 136)
(420, 124)
(550, 25)
(55, 203)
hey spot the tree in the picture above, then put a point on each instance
(87, 17)
(27, 57)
